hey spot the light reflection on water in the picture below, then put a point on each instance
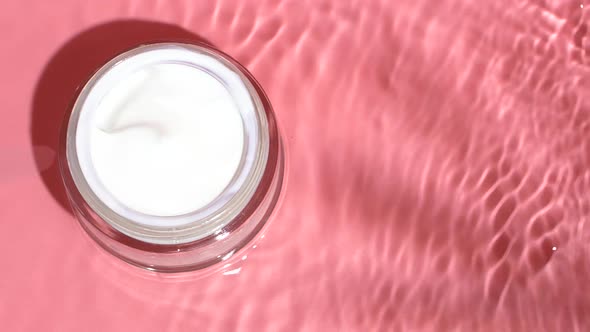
(438, 170)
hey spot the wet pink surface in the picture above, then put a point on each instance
(438, 171)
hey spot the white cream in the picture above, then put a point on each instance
(164, 134)
(167, 140)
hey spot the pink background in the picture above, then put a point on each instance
(437, 181)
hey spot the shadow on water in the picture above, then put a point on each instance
(70, 67)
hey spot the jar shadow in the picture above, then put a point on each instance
(67, 71)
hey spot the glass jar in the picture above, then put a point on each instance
(195, 240)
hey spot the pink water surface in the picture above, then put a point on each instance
(438, 167)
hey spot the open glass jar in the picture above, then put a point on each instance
(210, 233)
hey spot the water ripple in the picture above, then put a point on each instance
(438, 176)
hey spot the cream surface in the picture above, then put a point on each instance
(166, 140)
